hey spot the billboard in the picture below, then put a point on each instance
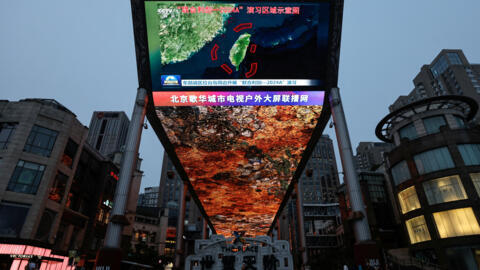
(237, 93)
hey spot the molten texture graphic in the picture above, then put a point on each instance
(240, 160)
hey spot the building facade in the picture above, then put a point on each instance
(146, 231)
(149, 197)
(169, 199)
(380, 215)
(55, 190)
(450, 73)
(107, 134)
(321, 215)
(435, 169)
(370, 155)
(108, 131)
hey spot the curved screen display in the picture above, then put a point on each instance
(238, 89)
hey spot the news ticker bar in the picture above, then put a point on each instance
(228, 98)
(247, 82)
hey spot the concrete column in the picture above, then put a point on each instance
(114, 230)
(180, 228)
(67, 236)
(301, 226)
(360, 225)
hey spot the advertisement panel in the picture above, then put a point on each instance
(237, 93)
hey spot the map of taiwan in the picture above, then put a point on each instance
(239, 50)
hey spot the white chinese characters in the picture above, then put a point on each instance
(240, 98)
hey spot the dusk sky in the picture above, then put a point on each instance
(82, 54)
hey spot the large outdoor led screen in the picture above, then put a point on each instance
(240, 158)
(238, 89)
(244, 40)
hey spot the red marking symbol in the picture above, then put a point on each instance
(252, 71)
(242, 26)
(213, 52)
(253, 48)
(226, 68)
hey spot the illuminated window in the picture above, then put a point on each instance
(400, 172)
(58, 188)
(409, 131)
(433, 160)
(69, 153)
(408, 200)
(417, 230)
(100, 215)
(470, 153)
(137, 236)
(433, 124)
(476, 181)
(457, 222)
(143, 236)
(107, 217)
(445, 189)
(41, 141)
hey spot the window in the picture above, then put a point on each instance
(476, 181)
(439, 67)
(408, 200)
(457, 222)
(400, 172)
(58, 188)
(101, 134)
(417, 230)
(46, 223)
(409, 131)
(433, 124)
(377, 193)
(41, 141)
(12, 217)
(433, 160)
(460, 121)
(454, 58)
(152, 237)
(470, 153)
(26, 177)
(6, 130)
(101, 215)
(69, 153)
(445, 189)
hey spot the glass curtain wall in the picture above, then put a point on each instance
(457, 222)
(433, 160)
(445, 189)
(417, 230)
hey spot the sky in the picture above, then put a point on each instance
(82, 54)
